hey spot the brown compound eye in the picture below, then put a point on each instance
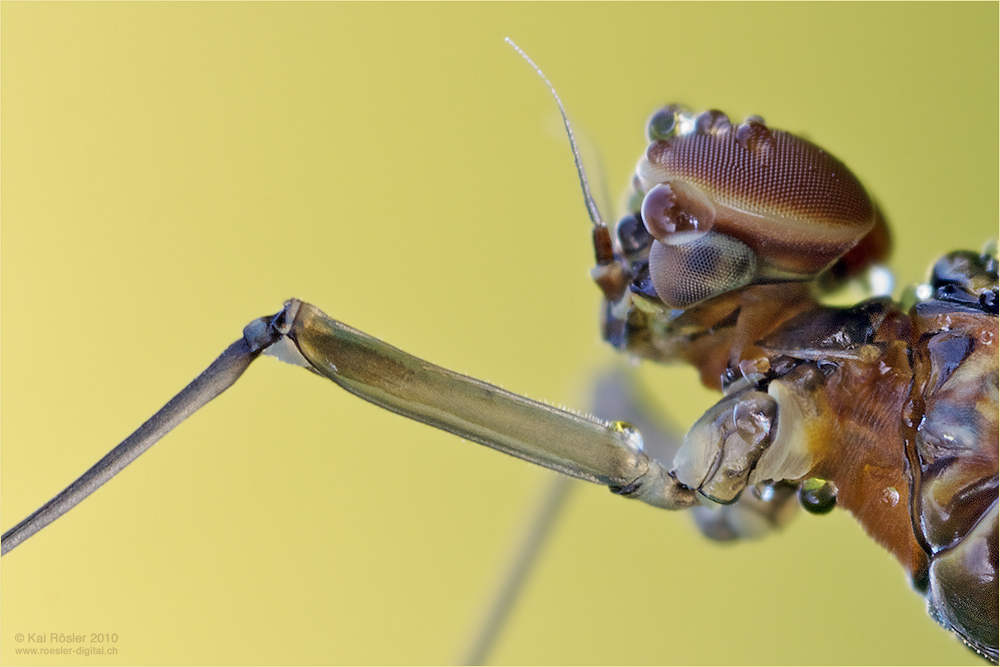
(796, 207)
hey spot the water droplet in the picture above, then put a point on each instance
(765, 492)
(818, 496)
(890, 496)
(754, 418)
(630, 435)
(880, 280)
(713, 122)
(662, 125)
(677, 212)
(756, 138)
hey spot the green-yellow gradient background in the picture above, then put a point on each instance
(172, 171)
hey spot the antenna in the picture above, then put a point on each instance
(595, 215)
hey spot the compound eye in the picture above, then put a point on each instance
(795, 205)
(677, 212)
(662, 125)
(687, 274)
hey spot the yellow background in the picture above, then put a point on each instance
(172, 171)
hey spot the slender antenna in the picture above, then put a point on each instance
(595, 215)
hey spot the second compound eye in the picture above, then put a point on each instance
(677, 212)
(685, 275)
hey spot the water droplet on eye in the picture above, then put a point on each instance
(662, 125)
(890, 496)
(818, 496)
(755, 137)
(713, 122)
(659, 211)
(676, 213)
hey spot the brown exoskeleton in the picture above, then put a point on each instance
(721, 269)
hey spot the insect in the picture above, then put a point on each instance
(184, 361)
(732, 230)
